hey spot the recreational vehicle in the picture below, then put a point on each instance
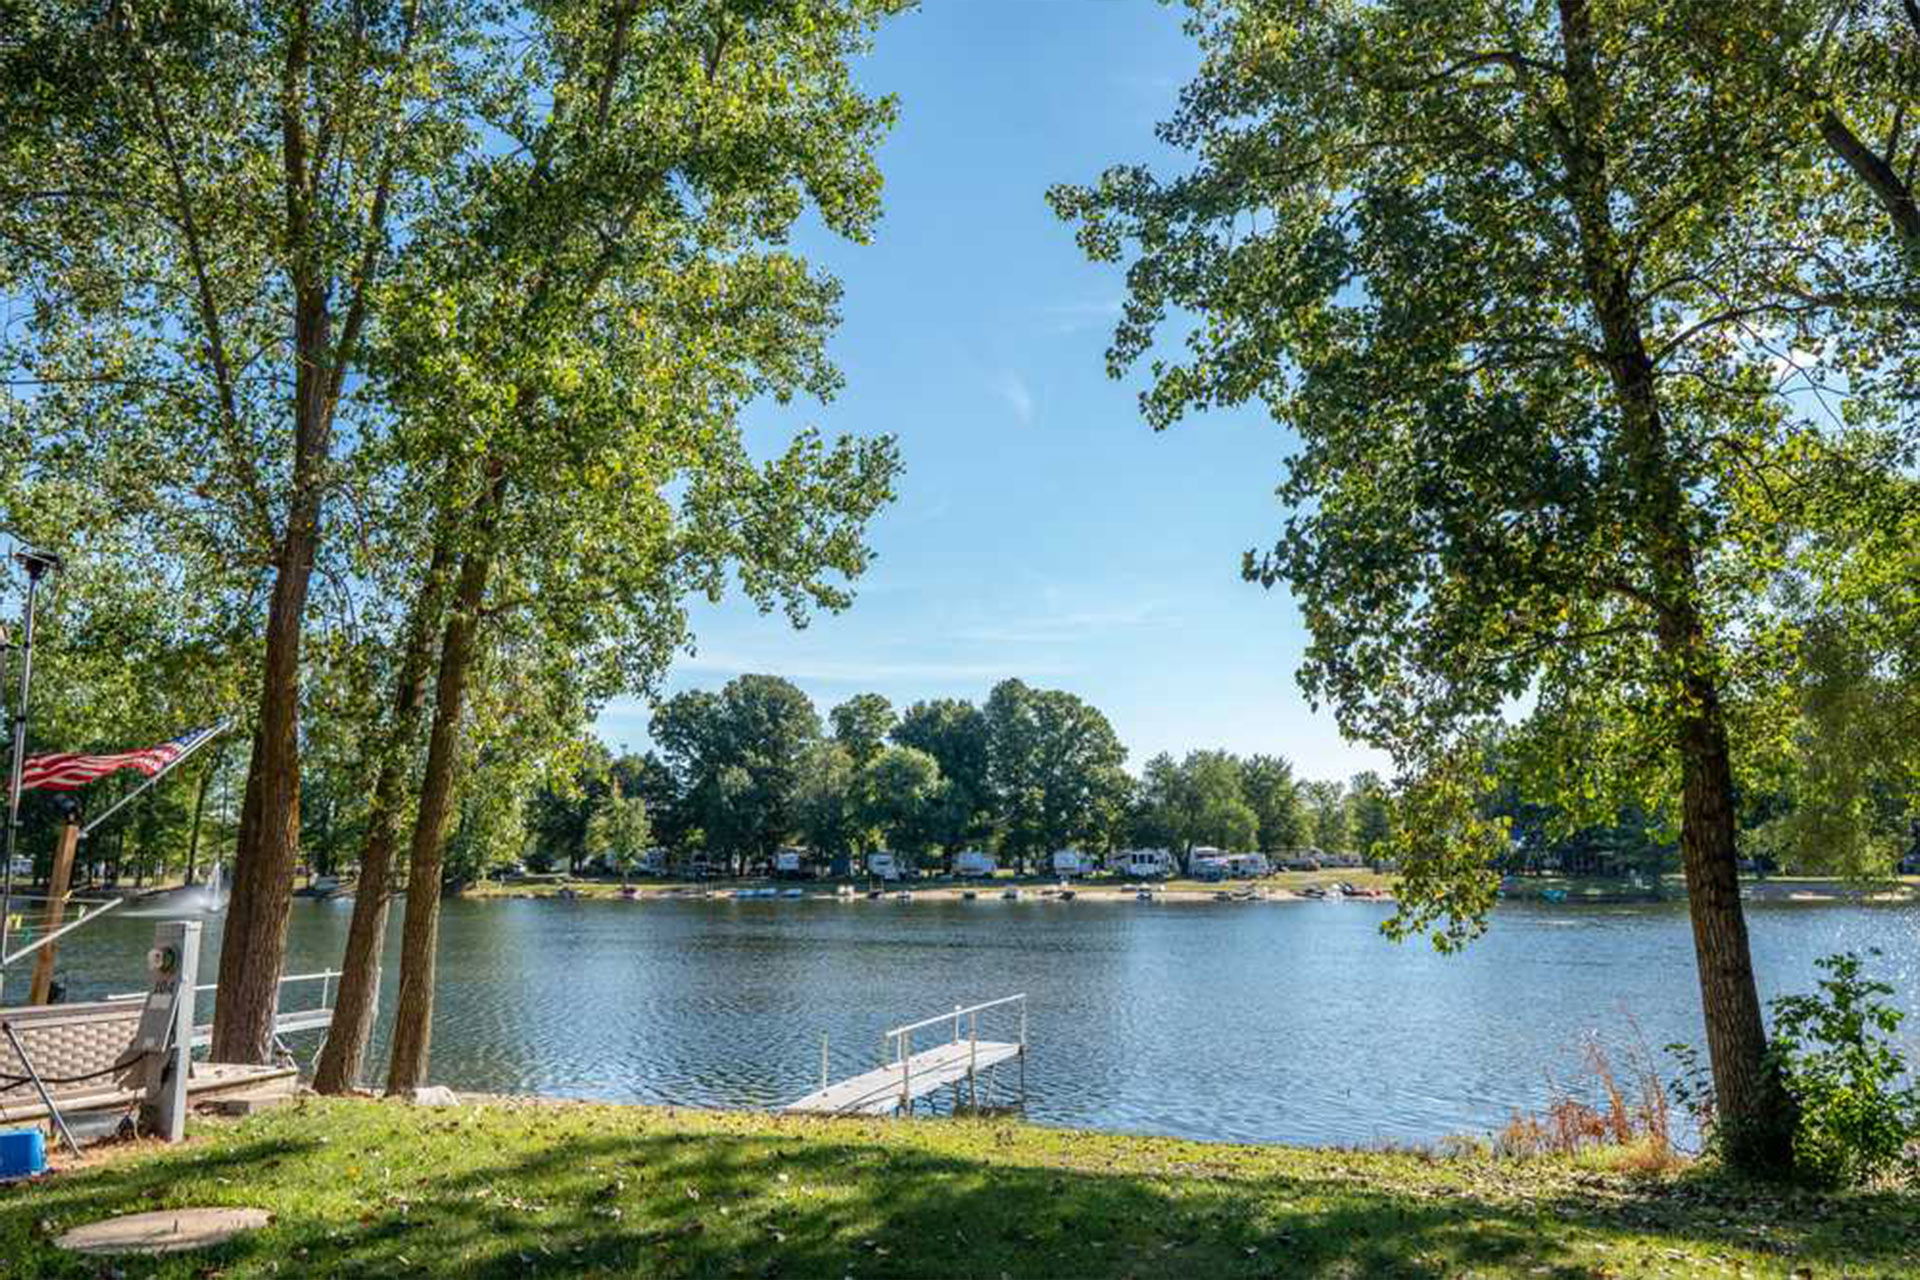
(1208, 863)
(1071, 862)
(1144, 864)
(974, 862)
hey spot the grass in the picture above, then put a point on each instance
(500, 1189)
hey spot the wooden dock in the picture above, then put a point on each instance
(908, 1076)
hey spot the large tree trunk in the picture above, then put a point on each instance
(1754, 1123)
(1754, 1115)
(413, 1018)
(254, 944)
(359, 996)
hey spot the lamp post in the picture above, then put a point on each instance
(37, 564)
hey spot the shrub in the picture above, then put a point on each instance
(1857, 1110)
(1626, 1125)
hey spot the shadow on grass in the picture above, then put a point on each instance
(567, 1197)
(714, 1205)
(33, 1213)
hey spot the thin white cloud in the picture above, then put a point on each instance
(1077, 317)
(1012, 388)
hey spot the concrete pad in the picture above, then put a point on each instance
(167, 1231)
(252, 1102)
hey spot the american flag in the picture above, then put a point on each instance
(66, 771)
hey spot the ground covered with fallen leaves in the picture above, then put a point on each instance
(503, 1188)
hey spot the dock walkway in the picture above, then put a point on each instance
(910, 1076)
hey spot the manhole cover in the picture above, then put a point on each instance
(168, 1231)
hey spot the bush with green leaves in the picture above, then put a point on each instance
(1859, 1109)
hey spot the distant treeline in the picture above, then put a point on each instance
(743, 771)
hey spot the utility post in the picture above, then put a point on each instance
(37, 564)
(165, 1034)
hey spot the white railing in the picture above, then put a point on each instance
(898, 1043)
(306, 1019)
(324, 976)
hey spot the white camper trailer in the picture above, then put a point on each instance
(1071, 862)
(1144, 864)
(974, 862)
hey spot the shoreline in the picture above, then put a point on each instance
(1029, 891)
(1282, 887)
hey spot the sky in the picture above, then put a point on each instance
(1042, 530)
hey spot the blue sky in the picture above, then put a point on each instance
(1042, 529)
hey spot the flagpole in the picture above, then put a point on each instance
(37, 564)
(160, 773)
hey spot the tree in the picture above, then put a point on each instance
(826, 803)
(1368, 817)
(1053, 770)
(574, 354)
(618, 832)
(861, 725)
(897, 794)
(561, 810)
(954, 732)
(1156, 819)
(202, 315)
(1326, 804)
(740, 756)
(1275, 797)
(1847, 769)
(1517, 275)
(1217, 813)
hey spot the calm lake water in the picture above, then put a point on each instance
(1291, 1022)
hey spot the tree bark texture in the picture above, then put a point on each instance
(359, 995)
(413, 1017)
(1749, 1102)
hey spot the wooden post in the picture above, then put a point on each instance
(63, 849)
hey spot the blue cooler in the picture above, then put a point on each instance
(23, 1153)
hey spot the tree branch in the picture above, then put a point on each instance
(207, 305)
(1894, 195)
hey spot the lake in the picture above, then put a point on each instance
(1269, 1022)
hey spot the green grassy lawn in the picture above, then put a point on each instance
(501, 1189)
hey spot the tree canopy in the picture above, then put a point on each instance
(1531, 285)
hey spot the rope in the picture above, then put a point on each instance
(14, 1082)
